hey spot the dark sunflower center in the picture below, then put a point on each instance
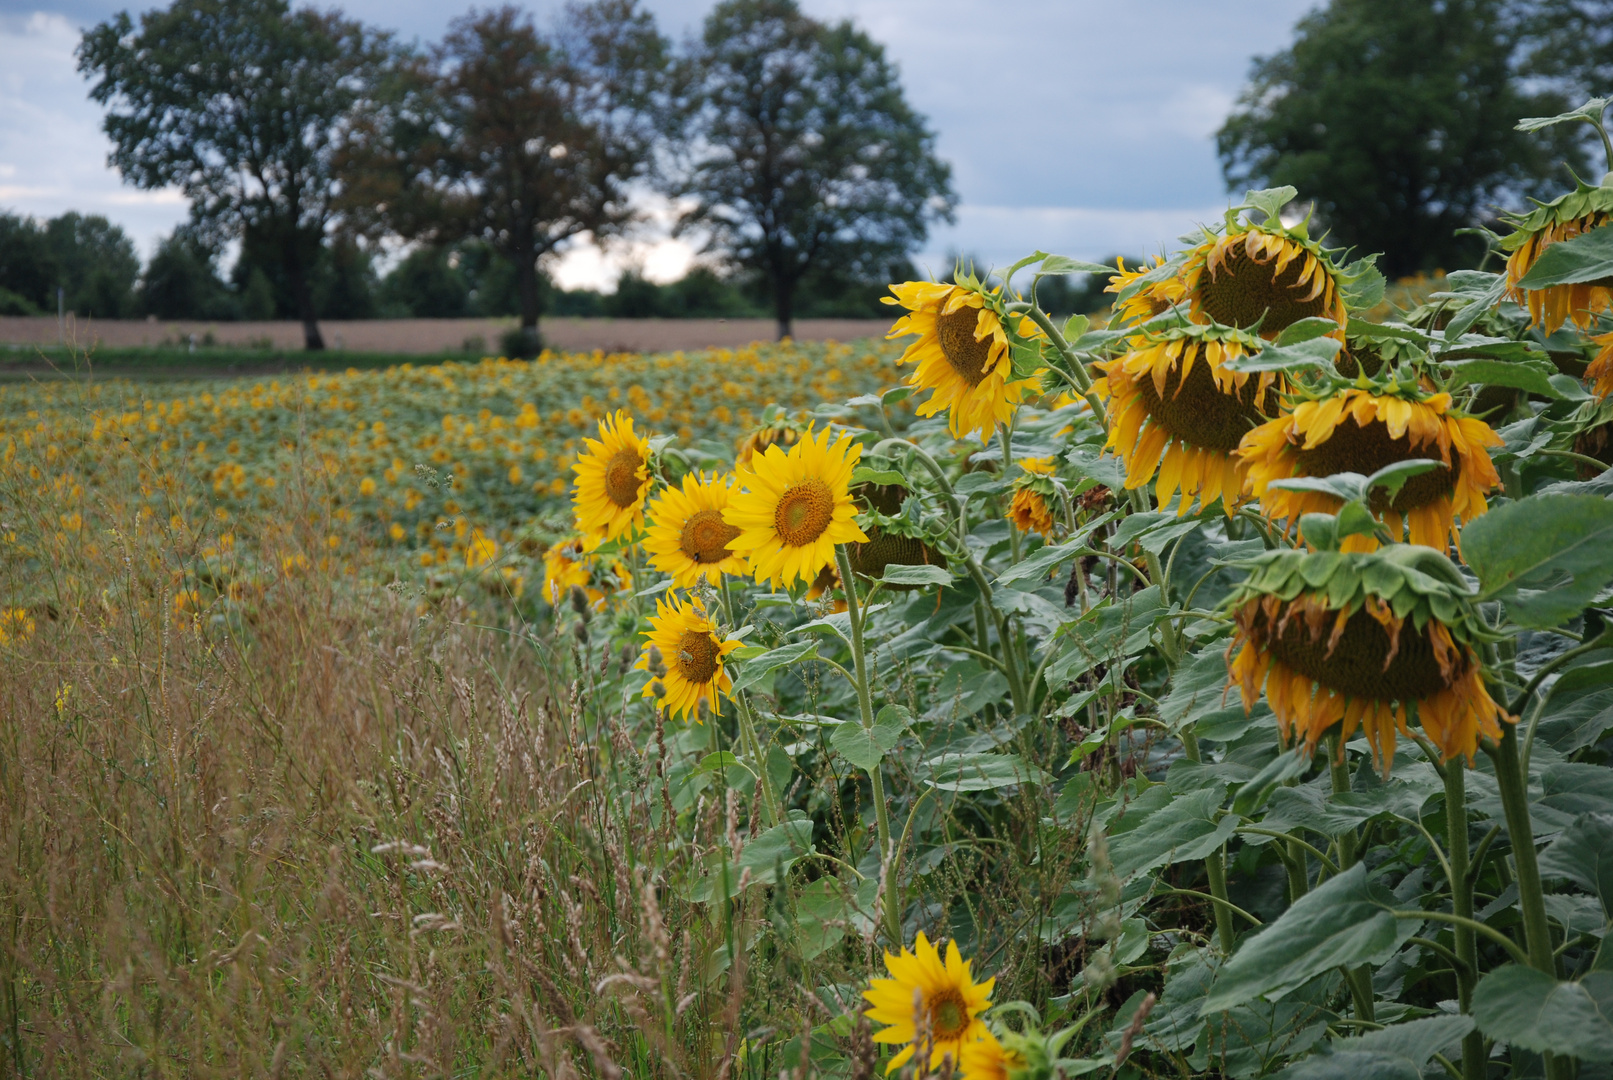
(705, 537)
(621, 477)
(949, 1016)
(1365, 450)
(1351, 362)
(804, 512)
(1356, 666)
(886, 498)
(1596, 442)
(884, 550)
(1242, 290)
(697, 656)
(1199, 413)
(956, 333)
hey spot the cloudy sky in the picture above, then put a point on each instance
(1083, 127)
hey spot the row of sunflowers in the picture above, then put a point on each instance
(1394, 538)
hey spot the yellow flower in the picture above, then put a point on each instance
(1318, 439)
(923, 992)
(1175, 406)
(795, 508)
(987, 1059)
(481, 550)
(962, 356)
(613, 478)
(16, 626)
(1600, 371)
(760, 439)
(565, 564)
(1362, 667)
(688, 538)
(1256, 274)
(1028, 510)
(1148, 300)
(692, 653)
(1565, 217)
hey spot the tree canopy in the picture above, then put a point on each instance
(242, 104)
(804, 155)
(1397, 120)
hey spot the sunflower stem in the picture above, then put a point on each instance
(753, 747)
(1077, 371)
(1360, 978)
(1456, 840)
(1514, 789)
(865, 704)
(1215, 867)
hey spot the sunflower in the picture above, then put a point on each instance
(886, 545)
(688, 538)
(1262, 275)
(1600, 371)
(763, 437)
(1176, 406)
(988, 1059)
(1565, 217)
(962, 356)
(613, 477)
(1363, 640)
(1362, 431)
(1142, 293)
(693, 655)
(949, 1002)
(565, 564)
(1028, 510)
(795, 508)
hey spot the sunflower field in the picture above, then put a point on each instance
(1223, 691)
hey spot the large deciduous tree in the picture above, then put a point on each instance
(804, 154)
(242, 104)
(516, 138)
(1397, 120)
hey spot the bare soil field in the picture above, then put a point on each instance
(480, 336)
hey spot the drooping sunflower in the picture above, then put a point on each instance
(1264, 275)
(987, 1059)
(1175, 406)
(1362, 431)
(566, 564)
(1600, 371)
(688, 538)
(795, 508)
(1565, 217)
(962, 355)
(1367, 641)
(887, 545)
(759, 440)
(613, 479)
(1142, 293)
(1028, 509)
(949, 1002)
(693, 655)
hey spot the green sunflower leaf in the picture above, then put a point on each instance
(866, 747)
(1345, 921)
(1546, 556)
(1586, 257)
(1532, 1010)
(1184, 829)
(1393, 1053)
(1306, 330)
(1060, 264)
(982, 772)
(1305, 356)
(756, 668)
(1269, 201)
(1532, 376)
(1590, 112)
(1583, 853)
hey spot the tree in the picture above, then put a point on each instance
(242, 104)
(95, 264)
(806, 155)
(181, 281)
(427, 284)
(519, 139)
(1397, 120)
(27, 275)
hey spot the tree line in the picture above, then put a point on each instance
(312, 141)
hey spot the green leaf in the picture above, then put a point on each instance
(1583, 853)
(862, 474)
(1531, 376)
(1075, 326)
(1344, 922)
(757, 668)
(1546, 556)
(1590, 112)
(1198, 688)
(866, 747)
(1531, 1010)
(982, 772)
(1353, 487)
(1269, 201)
(1040, 562)
(1059, 264)
(765, 857)
(1091, 463)
(1394, 1053)
(722, 759)
(1586, 257)
(1254, 793)
(1182, 830)
(1305, 356)
(823, 914)
(1306, 330)
(1482, 292)
(916, 575)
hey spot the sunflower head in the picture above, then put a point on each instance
(693, 654)
(613, 479)
(962, 353)
(1565, 217)
(1361, 431)
(566, 564)
(795, 508)
(774, 431)
(1028, 509)
(1145, 292)
(1265, 274)
(1600, 371)
(688, 538)
(1371, 350)
(1363, 640)
(1177, 406)
(930, 998)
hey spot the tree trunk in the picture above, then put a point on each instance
(531, 342)
(784, 305)
(297, 273)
